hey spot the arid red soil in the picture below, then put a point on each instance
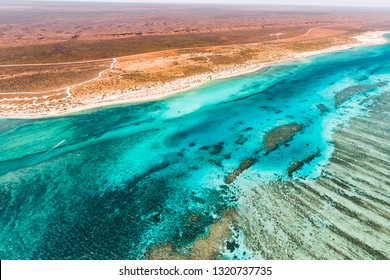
(71, 31)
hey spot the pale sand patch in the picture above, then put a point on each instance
(206, 248)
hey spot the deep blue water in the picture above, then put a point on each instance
(127, 178)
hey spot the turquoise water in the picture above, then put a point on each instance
(114, 182)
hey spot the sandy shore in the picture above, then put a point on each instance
(162, 90)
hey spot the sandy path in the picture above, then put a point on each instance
(57, 63)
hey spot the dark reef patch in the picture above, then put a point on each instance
(323, 108)
(250, 95)
(296, 165)
(232, 245)
(231, 177)
(280, 135)
(216, 149)
(349, 92)
(241, 140)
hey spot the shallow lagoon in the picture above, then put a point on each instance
(124, 179)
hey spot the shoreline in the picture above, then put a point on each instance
(178, 86)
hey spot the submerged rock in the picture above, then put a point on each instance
(193, 218)
(232, 245)
(216, 149)
(296, 165)
(241, 140)
(280, 135)
(323, 108)
(243, 166)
